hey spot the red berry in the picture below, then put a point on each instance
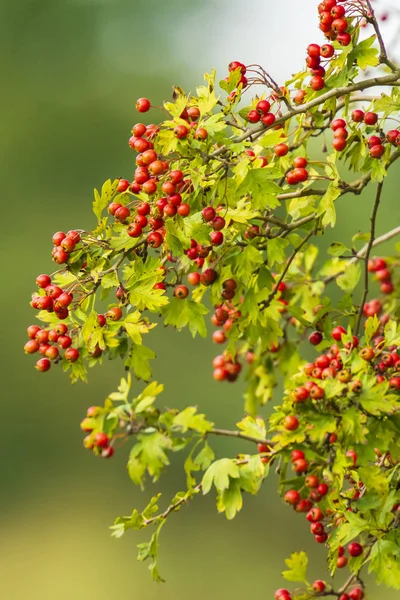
(43, 365)
(300, 466)
(154, 239)
(263, 106)
(292, 497)
(43, 281)
(216, 238)
(357, 116)
(64, 341)
(317, 83)
(290, 422)
(268, 119)
(107, 452)
(318, 586)
(253, 116)
(377, 151)
(315, 515)
(315, 338)
(337, 333)
(143, 105)
(313, 50)
(122, 213)
(356, 594)
(355, 549)
(317, 528)
(281, 150)
(181, 292)
(101, 440)
(297, 455)
(370, 118)
(72, 354)
(301, 394)
(208, 213)
(181, 132)
(208, 276)
(114, 313)
(31, 347)
(321, 538)
(344, 38)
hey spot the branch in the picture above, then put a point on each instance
(255, 132)
(239, 434)
(272, 295)
(172, 507)
(362, 253)
(383, 53)
(367, 253)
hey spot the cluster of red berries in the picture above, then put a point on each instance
(383, 275)
(217, 223)
(319, 587)
(315, 54)
(299, 173)
(385, 362)
(99, 442)
(234, 66)
(332, 21)
(375, 142)
(262, 113)
(226, 368)
(51, 297)
(64, 244)
(49, 343)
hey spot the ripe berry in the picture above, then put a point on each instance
(263, 106)
(339, 143)
(393, 136)
(219, 336)
(356, 594)
(107, 452)
(292, 497)
(143, 105)
(301, 394)
(181, 292)
(253, 116)
(313, 50)
(321, 538)
(154, 239)
(297, 455)
(318, 586)
(355, 549)
(311, 481)
(300, 466)
(344, 38)
(72, 354)
(357, 116)
(101, 440)
(114, 313)
(208, 214)
(43, 365)
(341, 562)
(122, 213)
(216, 238)
(64, 341)
(268, 119)
(337, 333)
(181, 132)
(317, 528)
(315, 515)
(208, 276)
(43, 281)
(322, 489)
(281, 150)
(290, 422)
(183, 209)
(317, 83)
(315, 338)
(377, 151)
(31, 347)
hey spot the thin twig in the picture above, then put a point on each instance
(367, 253)
(239, 434)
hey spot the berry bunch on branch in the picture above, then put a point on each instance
(218, 229)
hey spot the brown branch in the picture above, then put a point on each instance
(239, 434)
(272, 295)
(367, 253)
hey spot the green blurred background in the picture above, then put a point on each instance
(71, 72)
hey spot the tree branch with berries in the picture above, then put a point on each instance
(218, 229)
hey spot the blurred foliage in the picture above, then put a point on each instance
(71, 72)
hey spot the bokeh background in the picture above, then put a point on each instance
(71, 72)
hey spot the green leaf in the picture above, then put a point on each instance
(138, 360)
(297, 564)
(101, 201)
(364, 54)
(337, 249)
(276, 251)
(326, 206)
(384, 563)
(220, 473)
(148, 454)
(149, 551)
(253, 427)
(181, 313)
(190, 419)
(140, 278)
(263, 191)
(230, 500)
(349, 279)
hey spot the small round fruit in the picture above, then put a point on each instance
(43, 365)
(181, 292)
(114, 313)
(355, 549)
(318, 586)
(337, 333)
(315, 338)
(292, 497)
(216, 238)
(143, 105)
(71, 355)
(290, 422)
(370, 118)
(154, 239)
(357, 116)
(101, 440)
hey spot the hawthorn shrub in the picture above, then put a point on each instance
(224, 209)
